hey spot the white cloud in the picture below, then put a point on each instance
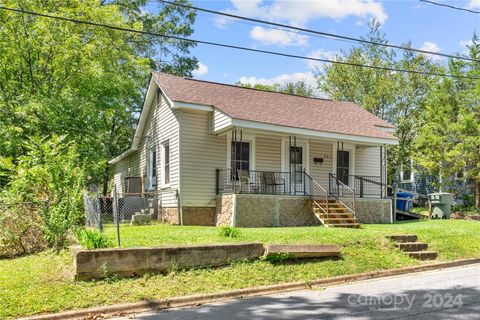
(277, 37)
(474, 4)
(299, 13)
(433, 47)
(320, 54)
(200, 71)
(282, 79)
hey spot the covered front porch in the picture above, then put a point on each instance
(277, 164)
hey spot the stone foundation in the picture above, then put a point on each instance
(168, 215)
(198, 216)
(264, 211)
(224, 210)
(373, 210)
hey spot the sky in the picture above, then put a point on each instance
(427, 26)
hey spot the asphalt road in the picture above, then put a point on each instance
(452, 293)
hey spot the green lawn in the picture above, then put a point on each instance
(43, 282)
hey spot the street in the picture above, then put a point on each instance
(446, 294)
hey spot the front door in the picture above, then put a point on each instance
(343, 165)
(297, 158)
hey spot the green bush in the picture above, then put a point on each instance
(93, 239)
(278, 257)
(230, 232)
(50, 173)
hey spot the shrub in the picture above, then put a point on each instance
(93, 239)
(20, 230)
(49, 173)
(230, 232)
(278, 257)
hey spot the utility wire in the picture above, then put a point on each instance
(216, 44)
(327, 34)
(450, 6)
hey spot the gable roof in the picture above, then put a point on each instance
(276, 108)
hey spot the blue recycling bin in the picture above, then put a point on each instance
(404, 204)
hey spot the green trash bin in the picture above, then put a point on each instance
(440, 204)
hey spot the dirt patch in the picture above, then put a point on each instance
(465, 216)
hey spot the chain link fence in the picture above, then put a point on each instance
(122, 209)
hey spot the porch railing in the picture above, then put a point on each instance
(367, 186)
(342, 192)
(317, 194)
(257, 182)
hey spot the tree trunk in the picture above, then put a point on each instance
(106, 178)
(477, 194)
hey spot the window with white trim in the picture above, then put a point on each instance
(166, 163)
(152, 168)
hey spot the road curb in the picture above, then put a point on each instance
(151, 305)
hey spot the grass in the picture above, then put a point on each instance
(43, 282)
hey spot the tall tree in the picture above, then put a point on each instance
(393, 96)
(448, 141)
(83, 82)
(298, 88)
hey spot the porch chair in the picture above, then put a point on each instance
(248, 181)
(270, 179)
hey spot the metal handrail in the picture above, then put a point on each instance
(322, 193)
(345, 195)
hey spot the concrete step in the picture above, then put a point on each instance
(343, 225)
(423, 255)
(334, 215)
(412, 246)
(403, 237)
(334, 220)
(303, 251)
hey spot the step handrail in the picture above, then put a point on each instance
(322, 193)
(345, 195)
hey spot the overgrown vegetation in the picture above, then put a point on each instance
(43, 198)
(230, 232)
(93, 239)
(363, 250)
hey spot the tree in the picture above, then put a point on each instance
(448, 140)
(79, 81)
(393, 96)
(299, 88)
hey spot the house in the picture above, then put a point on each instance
(217, 154)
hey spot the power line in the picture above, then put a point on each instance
(216, 44)
(327, 34)
(450, 6)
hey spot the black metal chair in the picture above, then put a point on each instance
(270, 179)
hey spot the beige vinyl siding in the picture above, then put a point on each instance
(367, 163)
(162, 124)
(119, 175)
(201, 154)
(320, 172)
(219, 121)
(268, 154)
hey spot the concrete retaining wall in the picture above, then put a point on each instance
(249, 210)
(373, 210)
(97, 264)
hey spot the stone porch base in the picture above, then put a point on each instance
(247, 210)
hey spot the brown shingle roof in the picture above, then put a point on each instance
(276, 108)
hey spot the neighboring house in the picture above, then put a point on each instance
(222, 154)
(417, 179)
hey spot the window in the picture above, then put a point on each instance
(166, 163)
(152, 169)
(343, 166)
(296, 164)
(240, 157)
